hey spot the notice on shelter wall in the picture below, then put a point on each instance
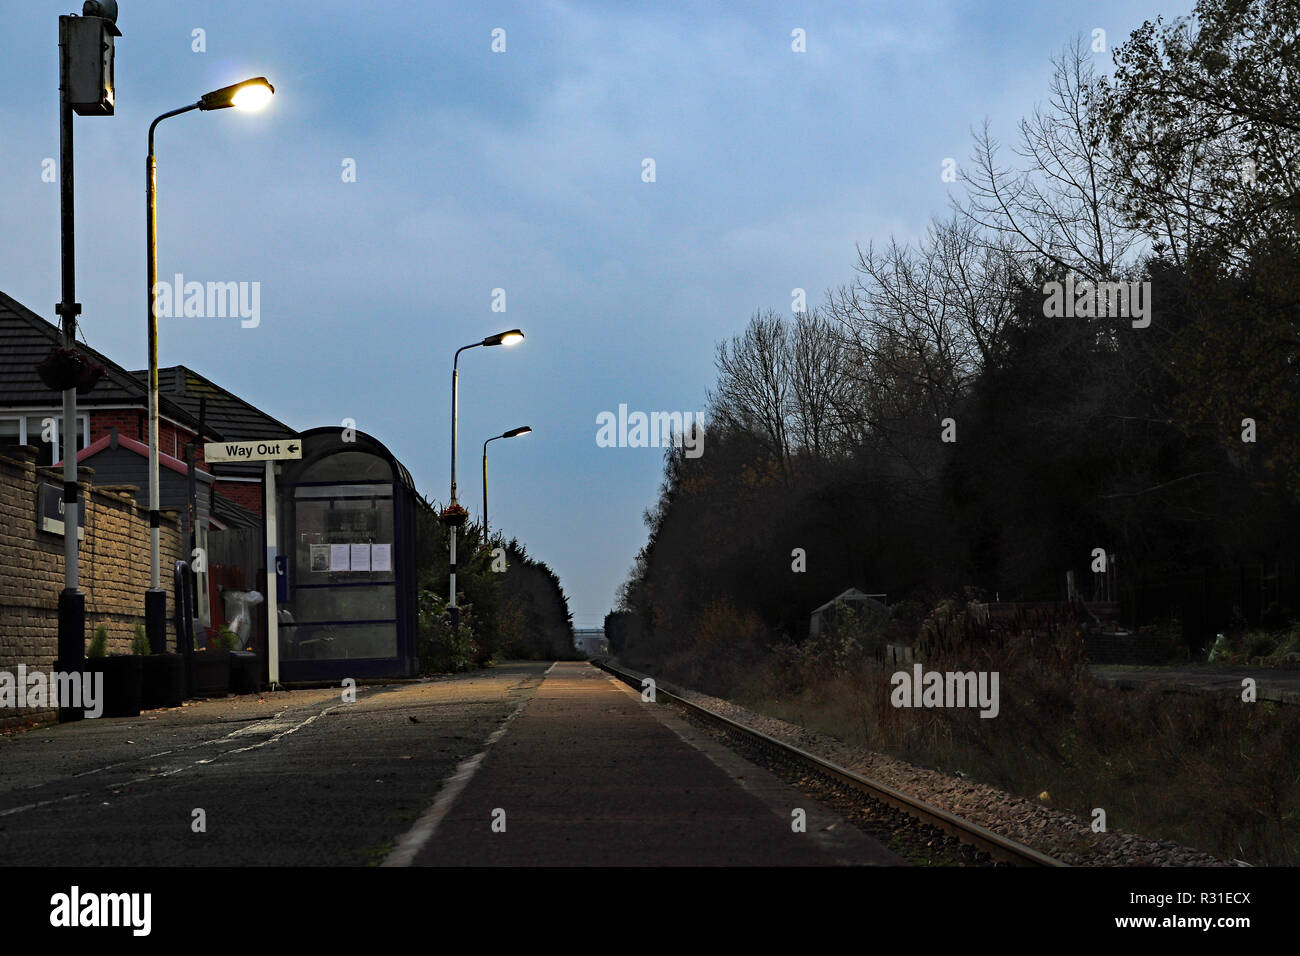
(320, 557)
(381, 557)
(339, 557)
(360, 557)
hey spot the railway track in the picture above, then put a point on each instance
(995, 845)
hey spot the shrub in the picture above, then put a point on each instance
(1258, 645)
(1289, 643)
(725, 646)
(99, 643)
(1144, 752)
(1275, 617)
(442, 649)
(140, 645)
(907, 619)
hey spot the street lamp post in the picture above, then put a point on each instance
(250, 95)
(513, 433)
(510, 337)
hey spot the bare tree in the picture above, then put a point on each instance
(917, 325)
(753, 391)
(819, 387)
(1064, 205)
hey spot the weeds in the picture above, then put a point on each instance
(1209, 772)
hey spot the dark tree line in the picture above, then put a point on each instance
(931, 427)
(512, 605)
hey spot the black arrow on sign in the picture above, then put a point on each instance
(292, 449)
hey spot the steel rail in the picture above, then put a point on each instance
(995, 845)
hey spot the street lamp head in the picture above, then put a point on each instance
(105, 10)
(254, 97)
(516, 432)
(249, 96)
(504, 338)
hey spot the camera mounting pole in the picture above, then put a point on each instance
(86, 88)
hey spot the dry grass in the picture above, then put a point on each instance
(1209, 772)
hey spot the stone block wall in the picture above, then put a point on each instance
(113, 570)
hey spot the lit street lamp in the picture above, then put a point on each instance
(250, 95)
(510, 337)
(513, 433)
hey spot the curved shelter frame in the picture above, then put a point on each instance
(346, 575)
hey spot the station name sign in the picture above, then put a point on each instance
(276, 449)
(51, 511)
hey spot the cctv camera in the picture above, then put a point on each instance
(106, 9)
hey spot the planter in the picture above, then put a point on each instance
(91, 373)
(211, 673)
(245, 672)
(61, 369)
(164, 681)
(123, 682)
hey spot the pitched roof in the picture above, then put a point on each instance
(233, 514)
(28, 338)
(113, 441)
(229, 415)
(851, 596)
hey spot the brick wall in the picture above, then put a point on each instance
(113, 568)
(134, 423)
(172, 439)
(130, 423)
(246, 493)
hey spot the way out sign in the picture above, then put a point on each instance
(268, 451)
(273, 450)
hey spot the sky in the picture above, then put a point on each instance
(523, 170)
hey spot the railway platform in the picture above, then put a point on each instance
(586, 773)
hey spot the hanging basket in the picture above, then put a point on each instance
(61, 369)
(454, 516)
(64, 368)
(91, 373)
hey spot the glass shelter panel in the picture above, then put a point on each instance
(341, 589)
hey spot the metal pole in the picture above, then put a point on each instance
(72, 603)
(455, 399)
(184, 625)
(485, 522)
(455, 395)
(151, 196)
(272, 610)
(192, 504)
(155, 599)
